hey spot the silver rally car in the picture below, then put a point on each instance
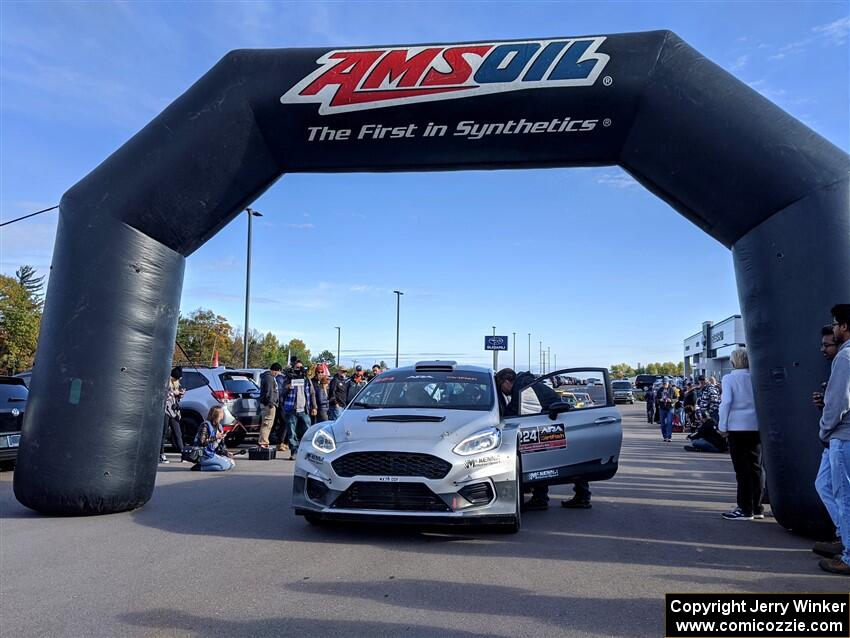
(435, 443)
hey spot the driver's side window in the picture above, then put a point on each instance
(536, 398)
(582, 389)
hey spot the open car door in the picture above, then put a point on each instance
(567, 429)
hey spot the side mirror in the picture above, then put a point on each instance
(558, 407)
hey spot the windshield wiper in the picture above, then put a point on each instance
(406, 418)
(361, 404)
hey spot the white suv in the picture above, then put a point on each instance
(232, 390)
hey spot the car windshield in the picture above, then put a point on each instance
(621, 385)
(428, 389)
(238, 384)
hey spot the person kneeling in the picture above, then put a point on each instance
(209, 437)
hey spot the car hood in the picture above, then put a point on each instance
(353, 425)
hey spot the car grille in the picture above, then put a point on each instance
(391, 464)
(9, 423)
(407, 497)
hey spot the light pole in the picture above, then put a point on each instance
(338, 339)
(514, 348)
(540, 357)
(556, 361)
(529, 352)
(251, 214)
(549, 358)
(398, 295)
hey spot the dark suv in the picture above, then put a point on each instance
(13, 404)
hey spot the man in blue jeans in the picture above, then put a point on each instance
(298, 405)
(664, 398)
(835, 431)
(823, 480)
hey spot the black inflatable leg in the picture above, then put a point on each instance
(791, 269)
(93, 424)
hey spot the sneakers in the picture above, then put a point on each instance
(835, 566)
(738, 514)
(163, 459)
(828, 550)
(576, 504)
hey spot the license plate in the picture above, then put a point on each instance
(388, 479)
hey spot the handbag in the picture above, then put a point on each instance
(193, 454)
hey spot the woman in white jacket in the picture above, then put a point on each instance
(738, 422)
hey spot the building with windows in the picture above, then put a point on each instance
(708, 351)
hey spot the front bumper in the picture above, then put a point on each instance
(320, 492)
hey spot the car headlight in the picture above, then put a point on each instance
(324, 439)
(482, 441)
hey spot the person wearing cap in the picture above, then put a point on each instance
(269, 399)
(299, 405)
(173, 394)
(357, 383)
(708, 403)
(337, 393)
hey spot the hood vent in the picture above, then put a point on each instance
(405, 418)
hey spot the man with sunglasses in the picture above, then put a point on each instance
(835, 432)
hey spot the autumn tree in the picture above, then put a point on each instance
(20, 320)
(622, 370)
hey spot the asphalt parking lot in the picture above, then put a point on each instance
(222, 555)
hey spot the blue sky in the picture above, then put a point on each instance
(78, 79)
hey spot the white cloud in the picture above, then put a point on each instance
(836, 32)
(300, 226)
(617, 180)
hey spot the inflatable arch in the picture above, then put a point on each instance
(723, 156)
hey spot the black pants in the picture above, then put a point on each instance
(581, 489)
(650, 412)
(171, 428)
(745, 450)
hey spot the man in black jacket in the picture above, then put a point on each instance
(337, 394)
(510, 386)
(269, 399)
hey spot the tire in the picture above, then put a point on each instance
(189, 424)
(514, 526)
(235, 440)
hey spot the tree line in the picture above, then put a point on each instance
(624, 370)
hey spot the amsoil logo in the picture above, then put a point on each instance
(354, 80)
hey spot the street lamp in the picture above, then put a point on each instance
(514, 348)
(251, 214)
(398, 295)
(338, 339)
(529, 352)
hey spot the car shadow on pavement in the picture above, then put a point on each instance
(457, 599)
(315, 627)
(645, 531)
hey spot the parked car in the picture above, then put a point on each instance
(13, 404)
(645, 381)
(26, 375)
(233, 390)
(252, 373)
(427, 444)
(623, 392)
